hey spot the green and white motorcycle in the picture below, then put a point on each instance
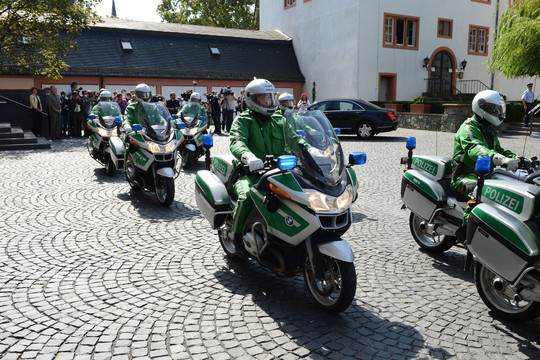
(302, 208)
(152, 152)
(104, 143)
(196, 127)
(503, 232)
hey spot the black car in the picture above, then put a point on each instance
(357, 116)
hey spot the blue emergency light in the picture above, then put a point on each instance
(483, 164)
(411, 143)
(203, 118)
(337, 131)
(208, 140)
(118, 120)
(287, 162)
(357, 158)
(92, 116)
(136, 127)
(180, 125)
(300, 133)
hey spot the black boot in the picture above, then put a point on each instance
(461, 234)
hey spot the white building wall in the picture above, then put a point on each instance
(339, 44)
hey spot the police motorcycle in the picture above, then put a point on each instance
(195, 128)
(503, 235)
(104, 143)
(302, 208)
(436, 207)
(152, 152)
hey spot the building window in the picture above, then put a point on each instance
(401, 31)
(445, 28)
(478, 40)
(126, 45)
(289, 3)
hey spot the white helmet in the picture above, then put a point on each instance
(490, 106)
(286, 101)
(195, 97)
(261, 97)
(105, 96)
(143, 92)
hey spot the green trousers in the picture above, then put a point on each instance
(244, 204)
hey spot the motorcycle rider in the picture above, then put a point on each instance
(254, 134)
(285, 102)
(142, 107)
(195, 98)
(476, 137)
(104, 107)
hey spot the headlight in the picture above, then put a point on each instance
(104, 132)
(192, 131)
(171, 146)
(325, 203)
(156, 148)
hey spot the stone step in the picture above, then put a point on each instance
(5, 127)
(38, 143)
(16, 132)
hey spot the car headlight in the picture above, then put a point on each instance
(320, 202)
(104, 132)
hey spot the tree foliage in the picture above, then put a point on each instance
(516, 51)
(237, 14)
(35, 35)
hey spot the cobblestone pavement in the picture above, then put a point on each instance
(90, 270)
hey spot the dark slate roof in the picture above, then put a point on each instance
(183, 51)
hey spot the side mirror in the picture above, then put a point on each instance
(92, 116)
(357, 158)
(180, 125)
(286, 162)
(136, 127)
(208, 141)
(117, 120)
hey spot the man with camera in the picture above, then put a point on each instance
(228, 104)
(215, 110)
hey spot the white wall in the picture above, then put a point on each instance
(339, 44)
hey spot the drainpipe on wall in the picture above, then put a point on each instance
(495, 39)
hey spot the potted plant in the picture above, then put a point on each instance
(395, 106)
(418, 105)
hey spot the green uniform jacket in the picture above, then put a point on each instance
(471, 141)
(187, 109)
(132, 114)
(106, 109)
(246, 135)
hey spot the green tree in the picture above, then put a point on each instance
(516, 51)
(236, 14)
(35, 35)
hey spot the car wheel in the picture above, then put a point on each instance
(365, 130)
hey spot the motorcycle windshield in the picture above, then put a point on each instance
(310, 137)
(107, 111)
(157, 127)
(190, 113)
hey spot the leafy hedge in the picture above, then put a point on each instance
(514, 109)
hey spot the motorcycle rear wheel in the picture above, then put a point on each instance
(335, 292)
(502, 302)
(164, 190)
(432, 244)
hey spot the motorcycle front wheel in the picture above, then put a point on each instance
(188, 159)
(110, 169)
(130, 168)
(164, 190)
(433, 244)
(503, 302)
(334, 291)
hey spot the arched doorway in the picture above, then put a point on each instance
(441, 72)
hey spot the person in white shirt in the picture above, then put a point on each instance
(528, 103)
(303, 103)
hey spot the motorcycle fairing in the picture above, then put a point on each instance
(290, 223)
(436, 167)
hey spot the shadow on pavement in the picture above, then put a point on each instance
(451, 263)
(101, 176)
(525, 333)
(356, 333)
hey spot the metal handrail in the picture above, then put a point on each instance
(444, 81)
(20, 104)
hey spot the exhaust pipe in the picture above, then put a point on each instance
(498, 284)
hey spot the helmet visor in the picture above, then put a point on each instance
(498, 110)
(267, 101)
(143, 95)
(287, 104)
